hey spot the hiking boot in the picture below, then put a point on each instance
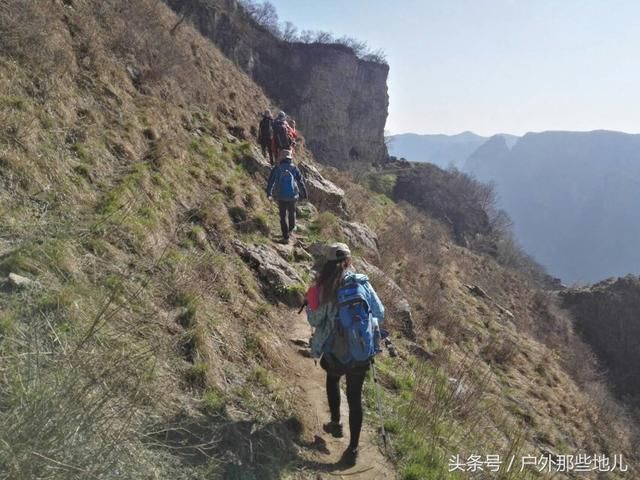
(349, 457)
(334, 429)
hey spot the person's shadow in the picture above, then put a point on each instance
(240, 450)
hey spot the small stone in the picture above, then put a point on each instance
(20, 281)
(301, 255)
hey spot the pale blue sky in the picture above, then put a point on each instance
(496, 65)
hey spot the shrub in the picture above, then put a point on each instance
(214, 402)
(450, 196)
(499, 350)
(136, 31)
(468, 208)
(264, 14)
(58, 421)
(27, 35)
(382, 183)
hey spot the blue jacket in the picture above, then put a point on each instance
(275, 175)
(324, 317)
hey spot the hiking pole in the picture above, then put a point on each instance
(376, 388)
(304, 304)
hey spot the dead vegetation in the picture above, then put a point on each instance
(514, 332)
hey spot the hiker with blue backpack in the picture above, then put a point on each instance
(346, 313)
(287, 186)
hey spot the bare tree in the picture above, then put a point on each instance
(323, 37)
(388, 139)
(264, 14)
(359, 47)
(290, 32)
(306, 36)
(377, 56)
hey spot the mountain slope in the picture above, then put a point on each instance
(155, 334)
(572, 197)
(607, 314)
(441, 150)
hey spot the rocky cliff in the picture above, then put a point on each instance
(338, 100)
(608, 317)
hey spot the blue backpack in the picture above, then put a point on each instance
(353, 335)
(286, 186)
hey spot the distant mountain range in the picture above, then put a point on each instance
(574, 196)
(441, 150)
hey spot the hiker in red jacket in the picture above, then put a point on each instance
(282, 134)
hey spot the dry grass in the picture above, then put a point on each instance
(127, 179)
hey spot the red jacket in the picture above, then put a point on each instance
(291, 133)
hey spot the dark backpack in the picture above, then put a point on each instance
(281, 134)
(286, 185)
(353, 336)
(266, 129)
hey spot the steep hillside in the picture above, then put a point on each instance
(337, 99)
(572, 197)
(148, 325)
(608, 316)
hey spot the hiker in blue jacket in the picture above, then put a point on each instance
(337, 355)
(287, 186)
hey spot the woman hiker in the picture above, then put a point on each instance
(336, 292)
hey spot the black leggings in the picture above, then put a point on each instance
(287, 210)
(355, 382)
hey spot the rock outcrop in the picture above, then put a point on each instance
(361, 237)
(19, 281)
(607, 315)
(255, 163)
(339, 101)
(279, 277)
(324, 194)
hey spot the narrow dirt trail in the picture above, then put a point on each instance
(311, 381)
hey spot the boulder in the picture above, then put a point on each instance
(306, 210)
(291, 253)
(324, 194)
(395, 301)
(286, 251)
(359, 236)
(276, 274)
